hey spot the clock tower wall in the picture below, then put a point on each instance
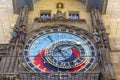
(69, 6)
(80, 23)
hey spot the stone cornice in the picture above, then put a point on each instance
(3, 49)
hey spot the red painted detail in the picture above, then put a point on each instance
(76, 52)
(79, 67)
(38, 61)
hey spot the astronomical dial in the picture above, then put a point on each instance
(63, 54)
(59, 50)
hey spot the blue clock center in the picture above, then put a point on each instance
(62, 53)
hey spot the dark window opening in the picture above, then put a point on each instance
(73, 16)
(45, 15)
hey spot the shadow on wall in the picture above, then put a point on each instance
(18, 4)
(34, 1)
(101, 5)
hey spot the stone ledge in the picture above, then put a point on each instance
(3, 49)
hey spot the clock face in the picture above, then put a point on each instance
(64, 54)
(59, 50)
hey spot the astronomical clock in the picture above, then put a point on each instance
(60, 49)
(57, 48)
(60, 45)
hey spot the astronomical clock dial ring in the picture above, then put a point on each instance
(59, 50)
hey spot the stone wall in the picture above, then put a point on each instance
(69, 5)
(112, 23)
(7, 20)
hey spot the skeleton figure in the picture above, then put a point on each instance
(97, 35)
